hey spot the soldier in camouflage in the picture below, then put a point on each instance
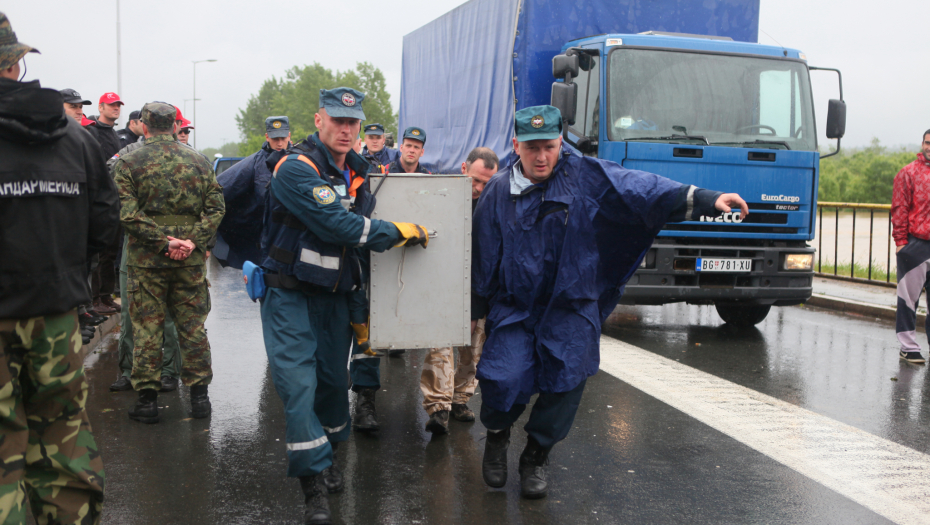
(57, 207)
(171, 207)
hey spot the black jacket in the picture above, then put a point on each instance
(58, 204)
(106, 136)
(126, 137)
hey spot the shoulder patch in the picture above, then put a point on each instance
(324, 195)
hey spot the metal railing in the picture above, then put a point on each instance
(855, 207)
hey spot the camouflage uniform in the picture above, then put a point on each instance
(46, 444)
(440, 388)
(171, 362)
(168, 189)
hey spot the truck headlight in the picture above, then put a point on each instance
(799, 261)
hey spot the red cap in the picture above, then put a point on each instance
(110, 98)
(186, 123)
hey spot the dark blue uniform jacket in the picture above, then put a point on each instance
(552, 262)
(244, 186)
(380, 159)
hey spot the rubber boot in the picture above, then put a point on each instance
(316, 499)
(332, 475)
(146, 409)
(200, 402)
(494, 465)
(533, 461)
(366, 419)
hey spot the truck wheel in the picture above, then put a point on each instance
(742, 315)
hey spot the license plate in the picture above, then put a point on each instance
(711, 264)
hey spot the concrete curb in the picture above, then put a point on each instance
(858, 307)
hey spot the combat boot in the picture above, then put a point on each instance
(316, 499)
(366, 419)
(461, 412)
(121, 384)
(146, 409)
(332, 476)
(438, 422)
(200, 402)
(533, 463)
(494, 465)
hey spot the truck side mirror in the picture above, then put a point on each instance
(564, 97)
(565, 64)
(836, 119)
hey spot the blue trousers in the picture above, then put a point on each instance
(551, 417)
(307, 339)
(365, 370)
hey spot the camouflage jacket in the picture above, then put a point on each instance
(167, 189)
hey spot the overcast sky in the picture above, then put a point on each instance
(877, 45)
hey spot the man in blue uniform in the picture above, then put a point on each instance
(244, 186)
(315, 241)
(556, 236)
(375, 151)
(411, 149)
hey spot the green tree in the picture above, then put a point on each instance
(297, 96)
(863, 175)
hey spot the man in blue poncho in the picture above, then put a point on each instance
(556, 237)
(244, 186)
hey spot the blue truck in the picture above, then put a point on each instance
(675, 87)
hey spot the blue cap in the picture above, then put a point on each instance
(342, 102)
(537, 123)
(277, 127)
(415, 134)
(374, 129)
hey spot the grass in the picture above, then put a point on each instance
(862, 272)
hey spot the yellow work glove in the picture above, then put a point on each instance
(414, 234)
(361, 335)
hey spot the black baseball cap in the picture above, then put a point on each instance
(71, 96)
(135, 115)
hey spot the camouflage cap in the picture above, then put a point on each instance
(11, 49)
(159, 115)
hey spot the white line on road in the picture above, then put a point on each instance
(890, 479)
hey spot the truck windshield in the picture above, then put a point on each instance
(695, 98)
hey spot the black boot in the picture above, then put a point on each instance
(146, 409)
(121, 384)
(332, 476)
(438, 422)
(168, 384)
(494, 465)
(200, 402)
(366, 419)
(533, 463)
(316, 499)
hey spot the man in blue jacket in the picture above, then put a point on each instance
(315, 240)
(375, 151)
(244, 192)
(556, 236)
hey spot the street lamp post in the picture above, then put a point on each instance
(186, 100)
(195, 99)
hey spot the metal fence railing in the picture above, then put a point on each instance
(871, 271)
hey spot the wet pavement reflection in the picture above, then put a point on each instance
(630, 458)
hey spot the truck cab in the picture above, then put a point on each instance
(729, 116)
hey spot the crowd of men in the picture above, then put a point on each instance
(296, 217)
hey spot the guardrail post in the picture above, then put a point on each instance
(852, 256)
(871, 233)
(836, 241)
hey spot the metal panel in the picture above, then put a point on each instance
(422, 298)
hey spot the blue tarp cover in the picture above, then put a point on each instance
(467, 72)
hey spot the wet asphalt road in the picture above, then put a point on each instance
(629, 459)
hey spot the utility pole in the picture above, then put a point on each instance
(119, 63)
(195, 99)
